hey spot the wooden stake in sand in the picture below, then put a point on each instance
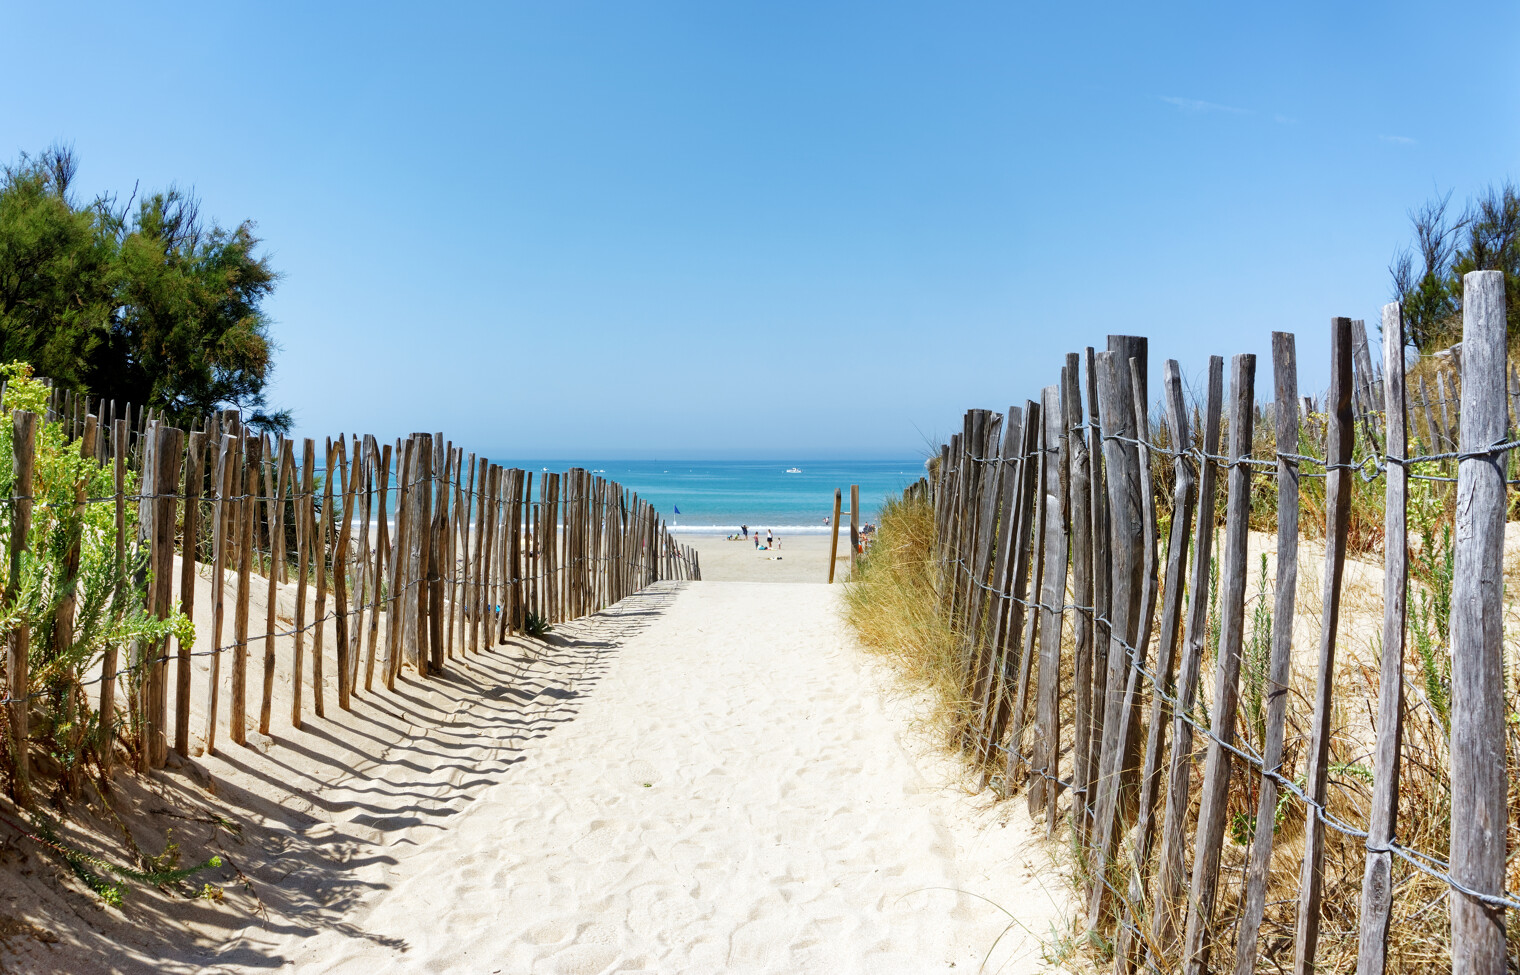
(1285, 379)
(1478, 740)
(195, 472)
(303, 516)
(1216, 775)
(834, 541)
(1179, 774)
(1377, 879)
(1337, 526)
(24, 440)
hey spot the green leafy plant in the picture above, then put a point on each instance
(110, 881)
(72, 591)
(1258, 653)
(535, 625)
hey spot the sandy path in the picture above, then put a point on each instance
(732, 797)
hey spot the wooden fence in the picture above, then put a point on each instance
(473, 553)
(1047, 518)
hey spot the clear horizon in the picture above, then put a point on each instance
(792, 231)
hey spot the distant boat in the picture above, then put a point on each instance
(794, 470)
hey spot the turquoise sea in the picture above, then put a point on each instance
(718, 496)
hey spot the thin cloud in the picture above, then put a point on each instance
(1285, 120)
(1197, 106)
(1398, 140)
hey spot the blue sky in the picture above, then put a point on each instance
(773, 230)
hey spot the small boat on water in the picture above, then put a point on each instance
(794, 470)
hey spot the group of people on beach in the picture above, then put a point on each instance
(771, 541)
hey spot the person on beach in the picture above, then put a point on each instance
(757, 541)
(769, 538)
(745, 530)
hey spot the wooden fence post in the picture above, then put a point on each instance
(304, 538)
(834, 542)
(380, 457)
(985, 652)
(195, 474)
(1337, 525)
(276, 507)
(24, 438)
(1478, 775)
(1017, 539)
(1377, 878)
(1079, 480)
(1285, 378)
(1038, 511)
(1183, 498)
(168, 448)
(237, 719)
(1047, 729)
(1216, 776)
(1122, 467)
(225, 514)
(1179, 772)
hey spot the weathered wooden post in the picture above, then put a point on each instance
(1337, 517)
(1285, 376)
(1216, 776)
(24, 439)
(1377, 878)
(1479, 818)
(834, 541)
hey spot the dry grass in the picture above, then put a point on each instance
(893, 608)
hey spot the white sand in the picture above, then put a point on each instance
(801, 558)
(732, 798)
(708, 778)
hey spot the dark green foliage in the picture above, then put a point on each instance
(535, 625)
(1427, 278)
(148, 305)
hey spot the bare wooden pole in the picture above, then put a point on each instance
(985, 656)
(304, 509)
(1478, 774)
(1337, 525)
(381, 457)
(24, 440)
(276, 508)
(119, 571)
(834, 541)
(227, 486)
(1017, 539)
(1017, 756)
(321, 530)
(195, 473)
(395, 615)
(1377, 878)
(854, 527)
(1179, 773)
(237, 719)
(1216, 776)
(1043, 787)
(1285, 381)
(1126, 535)
(167, 451)
(341, 641)
(1183, 498)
